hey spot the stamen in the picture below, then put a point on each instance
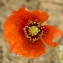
(34, 22)
(33, 29)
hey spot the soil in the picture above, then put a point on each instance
(55, 10)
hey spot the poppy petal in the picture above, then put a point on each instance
(23, 13)
(12, 35)
(32, 50)
(12, 20)
(18, 48)
(11, 29)
(53, 33)
(38, 49)
(42, 16)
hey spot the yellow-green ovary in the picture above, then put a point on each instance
(33, 30)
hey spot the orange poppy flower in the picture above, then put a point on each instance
(26, 34)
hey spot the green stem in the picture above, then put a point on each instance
(57, 54)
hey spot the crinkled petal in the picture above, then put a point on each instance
(38, 49)
(42, 16)
(23, 13)
(32, 50)
(53, 32)
(11, 20)
(11, 29)
(12, 35)
(20, 48)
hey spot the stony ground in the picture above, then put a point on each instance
(54, 9)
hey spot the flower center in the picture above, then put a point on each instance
(33, 29)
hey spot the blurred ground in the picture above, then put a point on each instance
(54, 9)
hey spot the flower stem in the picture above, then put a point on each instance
(57, 54)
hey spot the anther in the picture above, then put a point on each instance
(26, 26)
(34, 22)
(43, 27)
(33, 31)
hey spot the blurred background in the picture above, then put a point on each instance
(55, 10)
